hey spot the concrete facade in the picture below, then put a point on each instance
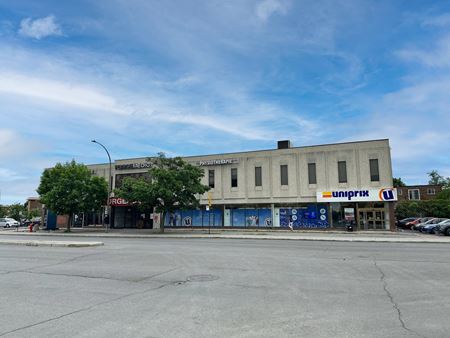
(272, 193)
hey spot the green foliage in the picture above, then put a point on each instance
(407, 209)
(434, 208)
(436, 179)
(173, 184)
(3, 211)
(32, 214)
(444, 194)
(398, 182)
(17, 211)
(70, 188)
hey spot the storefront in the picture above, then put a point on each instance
(310, 187)
(367, 209)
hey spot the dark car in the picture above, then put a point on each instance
(402, 223)
(35, 220)
(443, 228)
(421, 226)
(413, 224)
(431, 228)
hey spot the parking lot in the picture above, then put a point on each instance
(234, 288)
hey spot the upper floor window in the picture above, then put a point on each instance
(342, 171)
(414, 194)
(211, 178)
(312, 173)
(431, 191)
(374, 171)
(258, 177)
(234, 177)
(284, 174)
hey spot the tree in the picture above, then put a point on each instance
(70, 188)
(172, 184)
(398, 182)
(444, 195)
(436, 179)
(17, 211)
(3, 211)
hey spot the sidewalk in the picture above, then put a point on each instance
(305, 235)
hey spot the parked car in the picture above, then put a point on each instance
(443, 228)
(430, 228)
(411, 225)
(34, 220)
(8, 222)
(402, 223)
(419, 227)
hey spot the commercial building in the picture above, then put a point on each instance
(423, 192)
(322, 186)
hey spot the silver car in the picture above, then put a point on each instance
(8, 222)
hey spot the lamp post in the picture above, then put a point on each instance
(108, 207)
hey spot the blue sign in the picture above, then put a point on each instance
(313, 216)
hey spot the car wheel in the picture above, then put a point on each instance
(447, 231)
(7, 225)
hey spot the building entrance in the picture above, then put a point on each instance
(371, 219)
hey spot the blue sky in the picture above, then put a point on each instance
(199, 77)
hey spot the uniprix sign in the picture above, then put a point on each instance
(358, 195)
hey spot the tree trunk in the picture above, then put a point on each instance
(161, 223)
(69, 223)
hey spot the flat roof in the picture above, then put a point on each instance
(253, 151)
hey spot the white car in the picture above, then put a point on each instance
(8, 222)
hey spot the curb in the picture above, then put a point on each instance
(383, 239)
(51, 243)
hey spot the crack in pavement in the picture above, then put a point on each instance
(393, 302)
(100, 277)
(48, 265)
(87, 308)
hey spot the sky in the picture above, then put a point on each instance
(195, 77)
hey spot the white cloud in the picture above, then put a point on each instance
(39, 28)
(439, 56)
(65, 93)
(441, 20)
(266, 8)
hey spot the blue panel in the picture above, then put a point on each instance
(251, 218)
(265, 217)
(186, 218)
(197, 218)
(312, 216)
(238, 217)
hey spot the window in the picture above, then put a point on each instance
(374, 172)
(414, 194)
(431, 191)
(342, 171)
(312, 173)
(258, 177)
(284, 174)
(234, 178)
(211, 178)
(399, 191)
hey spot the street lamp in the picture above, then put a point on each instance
(108, 207)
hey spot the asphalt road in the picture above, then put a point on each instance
(225, 288)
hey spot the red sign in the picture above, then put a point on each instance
(118, 202)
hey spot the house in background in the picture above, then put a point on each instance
(418, 192)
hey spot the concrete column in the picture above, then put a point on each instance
(392, 226)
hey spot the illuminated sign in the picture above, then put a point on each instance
(218, 162)
(357, 195)
(141, 165)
